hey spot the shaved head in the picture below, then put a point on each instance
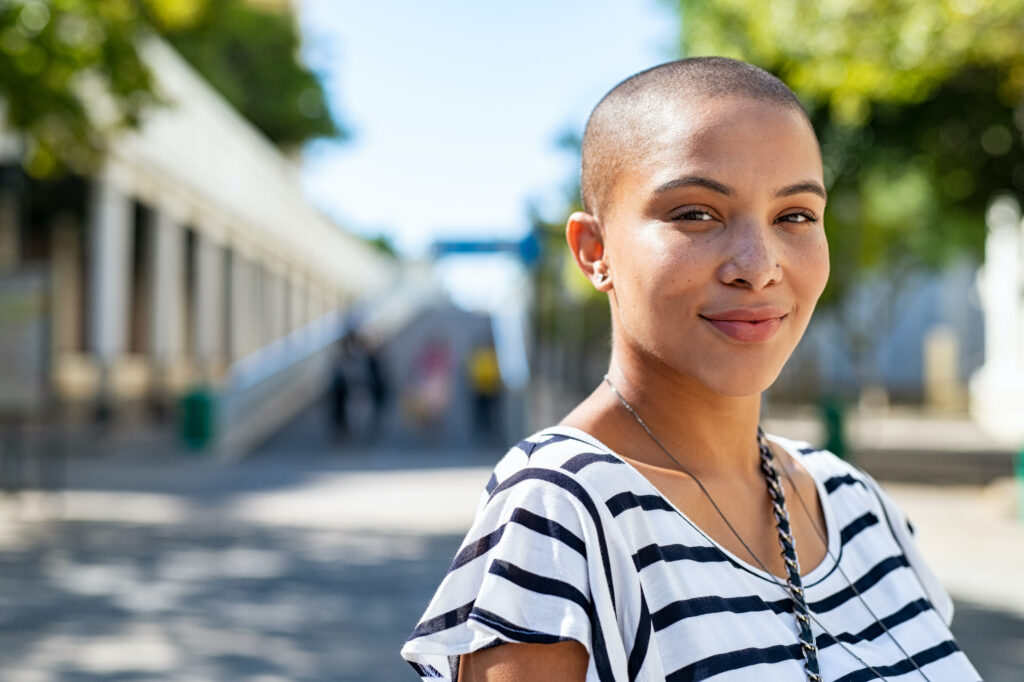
(625, 121)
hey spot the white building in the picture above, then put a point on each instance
(190, 249)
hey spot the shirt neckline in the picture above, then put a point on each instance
(815, 575)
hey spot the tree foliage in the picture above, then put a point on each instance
(571, 319)
(46, 50)
(918, 106)
(56, 55)
(250, 55)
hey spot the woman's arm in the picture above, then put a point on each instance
(563, 661)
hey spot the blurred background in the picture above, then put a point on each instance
(280, 281)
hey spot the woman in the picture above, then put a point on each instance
(656, 533)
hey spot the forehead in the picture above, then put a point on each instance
(754, 141)
(706, 128)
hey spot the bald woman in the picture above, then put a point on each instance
(656, 533)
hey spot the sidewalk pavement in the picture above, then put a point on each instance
(287, 569)
(973, 539)
(312, 566)
(910, 445)
(893, 429)
(969, 533)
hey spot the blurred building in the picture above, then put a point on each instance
(918, 343)
(192, 248)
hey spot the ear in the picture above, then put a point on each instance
(586, 243)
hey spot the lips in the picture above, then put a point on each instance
(750, 325)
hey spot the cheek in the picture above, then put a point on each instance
(641, 259)
(674, 262)
(823, 264)
(813, 267)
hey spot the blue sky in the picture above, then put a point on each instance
(455, 106)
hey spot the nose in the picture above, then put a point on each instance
(751, 259)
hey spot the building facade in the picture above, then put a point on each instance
(191, 248)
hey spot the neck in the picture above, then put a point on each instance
(707, 432)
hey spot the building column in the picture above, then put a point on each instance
(317, 300)
(274, 305)
(258, 305)
(297, 305)
(167, 259)
(310, 293)
(110, 254)
(286, 304)
(282, 304)
(239, 312)
(67, 294)
(10, 228)
(13, 186)
(1001, 289)
(208, 304)
(997, 388)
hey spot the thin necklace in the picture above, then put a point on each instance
(795, 594)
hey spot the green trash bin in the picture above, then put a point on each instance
(197, 408)
(833, 417)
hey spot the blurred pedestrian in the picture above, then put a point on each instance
(340, 391)
(376, 385)
(485, 385)
(429, 391)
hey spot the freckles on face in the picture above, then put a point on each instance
(722, 218)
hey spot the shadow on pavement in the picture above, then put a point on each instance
(216, 599)
(87, 601)
(993, 641)
(99, 601)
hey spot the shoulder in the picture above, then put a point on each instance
(535, 566)
(851, 493)
(559, 456)
(862, 502)
(832, 472)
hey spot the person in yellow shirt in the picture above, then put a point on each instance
(485, 383)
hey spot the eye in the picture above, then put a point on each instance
(692, 214)
(798, 217)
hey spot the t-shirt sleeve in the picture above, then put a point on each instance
(521, 575)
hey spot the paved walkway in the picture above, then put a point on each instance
(188, 571)
(314, 567)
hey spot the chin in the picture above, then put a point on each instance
(739, 388)
(740, 383)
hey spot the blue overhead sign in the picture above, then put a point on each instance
(526, 249)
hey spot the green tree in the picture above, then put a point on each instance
(571, 319)
(250, 55)
(57, 55)
(49, 51)
(919, 106)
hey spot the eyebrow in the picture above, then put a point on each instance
(694, 181)
(802, 188)
(809, 187)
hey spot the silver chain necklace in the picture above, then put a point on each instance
(794, 589)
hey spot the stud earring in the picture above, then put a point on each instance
(601, 277)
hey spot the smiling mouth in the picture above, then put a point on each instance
(749, 330)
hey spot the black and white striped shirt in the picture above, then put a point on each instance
(572, 543)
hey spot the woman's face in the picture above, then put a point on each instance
(715, 244)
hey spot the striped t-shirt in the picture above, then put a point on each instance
(572, 543)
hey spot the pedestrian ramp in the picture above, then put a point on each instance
(267, 389)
